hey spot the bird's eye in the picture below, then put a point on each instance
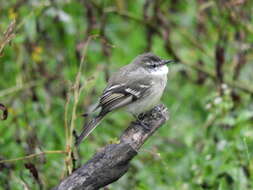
(151, 65)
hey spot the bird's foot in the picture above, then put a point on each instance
(139, 121)
(141, 116)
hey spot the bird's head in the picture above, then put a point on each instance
(152, 63)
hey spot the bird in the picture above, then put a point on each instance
(136, 87)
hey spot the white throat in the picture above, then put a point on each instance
(160, 70)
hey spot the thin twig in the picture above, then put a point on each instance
(34, 155)
(77, 91)
(8, 91)
(67, 147)
(9, 34)
(233, 84)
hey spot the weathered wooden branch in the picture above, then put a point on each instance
(113, 160)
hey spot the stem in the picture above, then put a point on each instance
(77, 91)
(34, 155)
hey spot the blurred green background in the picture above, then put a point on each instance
(208, 141)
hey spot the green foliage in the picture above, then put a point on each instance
(208, 141)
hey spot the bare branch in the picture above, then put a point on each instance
(113, 161)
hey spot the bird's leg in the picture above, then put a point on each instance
(141, 116)
(139, 121)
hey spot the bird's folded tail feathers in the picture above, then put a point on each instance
(88, 128)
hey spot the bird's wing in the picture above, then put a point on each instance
(115, 96)
(118, 95)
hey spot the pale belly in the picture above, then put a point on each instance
(151, 100)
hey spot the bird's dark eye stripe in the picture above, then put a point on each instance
(154, 64)
(151, 64)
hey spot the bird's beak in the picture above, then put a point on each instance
(168, 61)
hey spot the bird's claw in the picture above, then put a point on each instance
(142, 124)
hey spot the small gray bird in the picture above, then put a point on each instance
(137, 87)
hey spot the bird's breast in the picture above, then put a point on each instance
(151, 98)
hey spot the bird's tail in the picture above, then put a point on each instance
(88, 128)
